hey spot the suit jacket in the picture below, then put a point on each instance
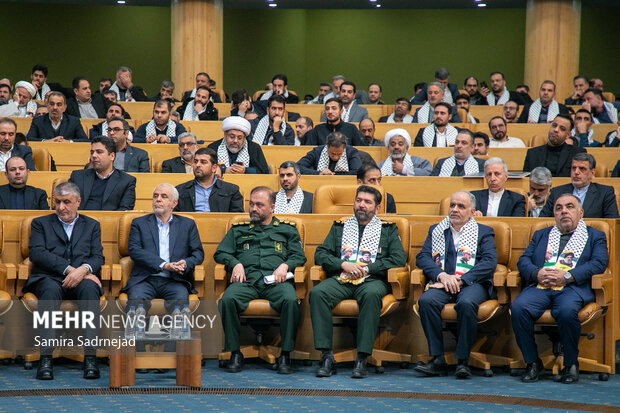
(454, 119)
(356, 114)
(593, 260)
(455, 171)
(70, 128)
(120, 192)
(420, 98)
(174, 165)
(97, 101)
(257, 158)
(24, 152)
(318, 134)
(51, 252)
(136, 160)
(279, 138)
(521, 98)
(210, 112)
(260, 110)
(184, 244)
(484, 267)
(615, 142)
(525, 113)
(310, 161)
(390, 205)
(214, 97)
(306, 206)
(600, 201)
(511, 204)
(140, 135)
(224, 197)
(34, 198)
(615, 173)
(540, 156)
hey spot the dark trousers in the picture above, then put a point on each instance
(172, 291)
(467, 301)
(50, 294)
(531, 304)
(325, 296)
(281, 297)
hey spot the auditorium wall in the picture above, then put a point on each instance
(395, 47)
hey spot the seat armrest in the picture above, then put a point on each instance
(219, 277)
(199, 278)
(399, 279)
(602, 285)
(300, 282)
(106, 272)
(317, 274)
(23, 272)
(116, 276)
(499, 282)
(8, 273)
(513, 282)
(418, 282)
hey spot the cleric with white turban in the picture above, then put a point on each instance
(24, 105)
(236, 123)
(399, 163)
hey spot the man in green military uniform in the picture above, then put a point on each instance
(251, 251)
(351, 277)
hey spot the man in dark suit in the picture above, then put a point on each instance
(207, 193)
(128, 158)
(597, 201)
(497, 201)
(370, 174)
(56, 126)
(202, 79)
(114, 110)
(8, 131)
(334, 158)
(83, 105)
(441, 76)
(200, 107)
(280, 87)
(424, 114)
(542, 110)
(291, 199)
(16, 194)
(183, 164)
(467, 284)
(334, 123)
(66, 253)
(499, 94)
(548, 284)
(161, 128)
(165, 249)
(556, 155)
(235, 153)
(104, 188)
(462, 163)
(272, 129)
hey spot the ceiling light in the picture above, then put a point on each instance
(273, 4)
(482, 5)
(120, 1)
(378, 6)
(372, 1)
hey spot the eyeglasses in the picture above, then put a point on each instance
(182, 145)
(116, 130)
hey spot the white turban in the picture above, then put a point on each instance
(28, 86)
(396, 132)
(236, 123)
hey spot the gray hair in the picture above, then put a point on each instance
(175, 193)
(185, 135)
(336, 140)
(493, 161)
(585, 157)
(167, 83)
(541, 176)
(472, 198)
(124, 69)
(468, 133)
(67, 188)
(439, 85)
(572, 196)
(442, 73)
(338, 77)
(175, 113)
(291, 164)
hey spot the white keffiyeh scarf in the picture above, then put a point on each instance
(369, 244)
(468, 242)
(425, 113)
(283, 206)
(262, 128)
(269, 94)
(170, 129)
(244, 155)
(387, 167)
(470, 118)
(190, 113)
(126, 98)
(574, 246)
(534, 114)
(406, 119)
(428, 136)
(341, 166)
(575, 135)
(471, 166)
(611, 112)
(346, 112)
(610, 138)
(40, 95)
(27, 111)
(502, 99)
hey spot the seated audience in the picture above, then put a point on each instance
(612, 140)
(334, 123)
(291, 199)
(24, 103)
(374, 94)
(124, 88)
(302, 126)
(399, 162)
(128, 158)
(499, 133)
(370, 174)
(439, 133)
(442, 76)
(351, 111)
(324, 89)
(16, 194)
(280, 88)
(580, 83)
(334, 158)
(545, 108)
(160, 129)
(475, 97)
(435, 93)
(184, 163)
(582, 132)
(497, 201)
(462, 163)
(115, 110)
(272, 129)
(199, 107)
(500, 94)
(8, 148)
(83, 105)
(603, 112)
(242, 105)
(481, 144)
(401, 113)
(166, 91)
(56, 126)
(462, 102)
(540, 185)
(510, 111)
(335, 89)
(202, 79)
(367, 129)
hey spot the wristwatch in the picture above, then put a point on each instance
(567, 276)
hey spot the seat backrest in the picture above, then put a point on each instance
(299, 223)
(221, 94)
(24, 236)
(503, 240)
(124, 225)
(257, 94)
(42, 159)
(339, 199)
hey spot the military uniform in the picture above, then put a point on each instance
(325, 296)
(261, 249)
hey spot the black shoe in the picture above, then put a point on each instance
(284, 364)
(570, 374)
(359, 370)
(532, 371)
(235, 364)
(435, 367)
(462, 371)
(91, 370)
(327, 367)
(45, 371)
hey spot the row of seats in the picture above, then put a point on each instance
(513, 237)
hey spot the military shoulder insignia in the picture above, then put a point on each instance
(340, 221)
(387, 223)
(241, 223)
(291, 223)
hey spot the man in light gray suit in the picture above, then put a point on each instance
(351, 111)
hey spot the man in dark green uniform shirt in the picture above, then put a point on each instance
(350, 277)
(252, 250)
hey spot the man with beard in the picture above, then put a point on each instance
(367, 129)
(302, 126)
(272, 129)
(374, 94)
(370, 174)
(462, 163)
(510, 111)
(291, 199)
(324, 89)
(497, 126)
(603, 112)
(545, 108)
(128, 158)
(200, 107)
(500, 94)
(115, 110)
(16, 194)
(442, 76)
(235, 153)
(202, 79)
(400, 114)
(351, 111)
(262, 246)
(352, 279)
(439, 133)
(581, 85)
(462, 102)
(56, 126)
(160, 129)
(334, 123)
(280, 88)
(334, 158)
(400, 163)
(540, 184)
(83, 105)
(425, 113)
(481, 144)
(207, 193)
(583, 130)
(475, 97)
(184, 163)
(8, 148)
